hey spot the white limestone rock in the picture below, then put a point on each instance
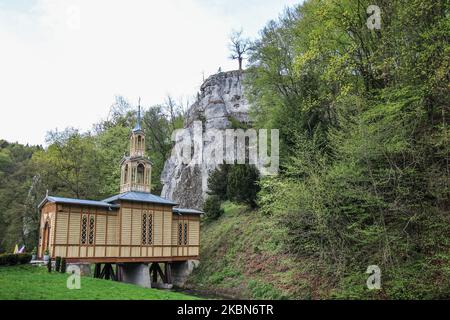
(221, 98)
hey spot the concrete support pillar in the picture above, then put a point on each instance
(83, 268)
(135, 273)
(181, 271)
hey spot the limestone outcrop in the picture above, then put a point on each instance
(220, 103)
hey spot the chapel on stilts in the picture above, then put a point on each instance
(134, 236)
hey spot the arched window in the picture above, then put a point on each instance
(139, 144)
(140, 173)
(125, 180)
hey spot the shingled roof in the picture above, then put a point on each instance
(139, 197)
(80, 202)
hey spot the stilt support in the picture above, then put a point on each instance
(165, 276)
(107, 272)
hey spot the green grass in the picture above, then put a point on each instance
(28, 282)
(241, 257)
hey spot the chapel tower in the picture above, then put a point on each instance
(136, 169)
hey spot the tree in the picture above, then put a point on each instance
(218, 180)
(71, 164)
(212, 208)
(242, 184)
(238, 46)
(364, 133)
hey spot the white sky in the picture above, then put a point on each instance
(62, 62)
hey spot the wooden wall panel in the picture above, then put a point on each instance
(174, 231)
(157, 251)
(157, 228)
(83, 251)
(113, 229)
(194, 232)
(61, 231)
(112, 251)
(90, 251)
(100, 236)
(167, 228)
(193, 251)
(74, 228)
(52, 232)
(60, 251)
(167, 251)
(100, 251)
(126, 226)
(135, 251)
(136, 228)
(125, 252)
(73, 251)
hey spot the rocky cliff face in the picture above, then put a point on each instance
(220, 101)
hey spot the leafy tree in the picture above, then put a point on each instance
(18, 216)
(363, 121)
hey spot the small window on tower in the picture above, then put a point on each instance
(126, 174)
(140, 173)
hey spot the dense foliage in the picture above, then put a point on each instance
(18, 192)
(212, 207)
(11, 259)
(76, 164)
(238, 183)
(363, 118)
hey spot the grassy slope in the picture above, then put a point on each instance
(35, 283)
(240, 257)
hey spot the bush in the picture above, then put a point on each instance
(239, 183)
(217, 182)
(212, 208)
(57, 264)
(63, 265)
(10, 259)
(49, 265)
(243, 184)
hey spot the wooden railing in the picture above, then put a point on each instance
(139, 187)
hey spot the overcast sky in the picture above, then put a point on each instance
(62, 62)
